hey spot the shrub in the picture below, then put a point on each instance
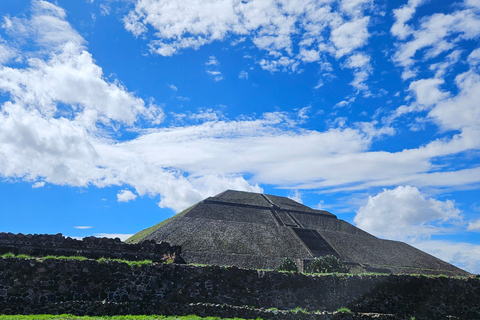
(288, 265)
(327, 264)
(344, 310)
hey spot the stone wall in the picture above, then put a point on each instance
(89, 287)
(39, 245)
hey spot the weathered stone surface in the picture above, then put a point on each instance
(39, 245)
(116, 288)
(252, 230)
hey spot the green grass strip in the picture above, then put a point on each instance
(131, 317)
(79, 258)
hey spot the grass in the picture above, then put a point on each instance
(79, 258)
(72, 317)
(344, 310)
(300, 310)
(139, 236)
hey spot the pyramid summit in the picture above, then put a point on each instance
(252, 230)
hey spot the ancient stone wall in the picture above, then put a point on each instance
(91, 247)
(91, 287)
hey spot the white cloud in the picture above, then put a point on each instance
(462, 254)
(126, 196)
(344, 103)
(296, 196)
(435, 34)
(405, 213)
(474, 226)
(217, 75)
(67, 75)
(350, 36)
(47, 27)
(273, 26)
(448, 63)
(427, 91)
(462, 111)
(6, 52)
(243, 75)
(39, 184)
(212, 68)
(121, 236)
(173, 87)
(309, 55)
(53, 131)
(82, 227)
(303, 113)
(474, 57)
(212, 61)
(402, 16)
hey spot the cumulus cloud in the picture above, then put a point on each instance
(405, 213)
(338, 28)
(55, 125)
(126, 196)
(66, 75)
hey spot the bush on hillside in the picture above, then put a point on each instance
(288, 265)
(327, 264)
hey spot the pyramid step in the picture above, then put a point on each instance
(287, 219)
(314, 242)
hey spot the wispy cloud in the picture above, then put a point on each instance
(213, 68)
(83, 227)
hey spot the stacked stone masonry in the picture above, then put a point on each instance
(39, 245)
(29, 286)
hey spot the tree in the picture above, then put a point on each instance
(327, 264)
(288, 265)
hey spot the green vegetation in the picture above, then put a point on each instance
(139, 236)
(24, 256)
(300, 310)
(72, 317)
(288, 265)
(327, 264)
(79, 258)
(130, 263)
(344, 310)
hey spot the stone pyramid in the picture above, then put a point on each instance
(252, 230)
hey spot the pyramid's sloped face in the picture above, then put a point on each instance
(267, 201)
(229, 212)
(239, 197)
(253, 230)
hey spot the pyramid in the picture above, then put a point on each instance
(257, 231)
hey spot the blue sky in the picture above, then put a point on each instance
(117, 114)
